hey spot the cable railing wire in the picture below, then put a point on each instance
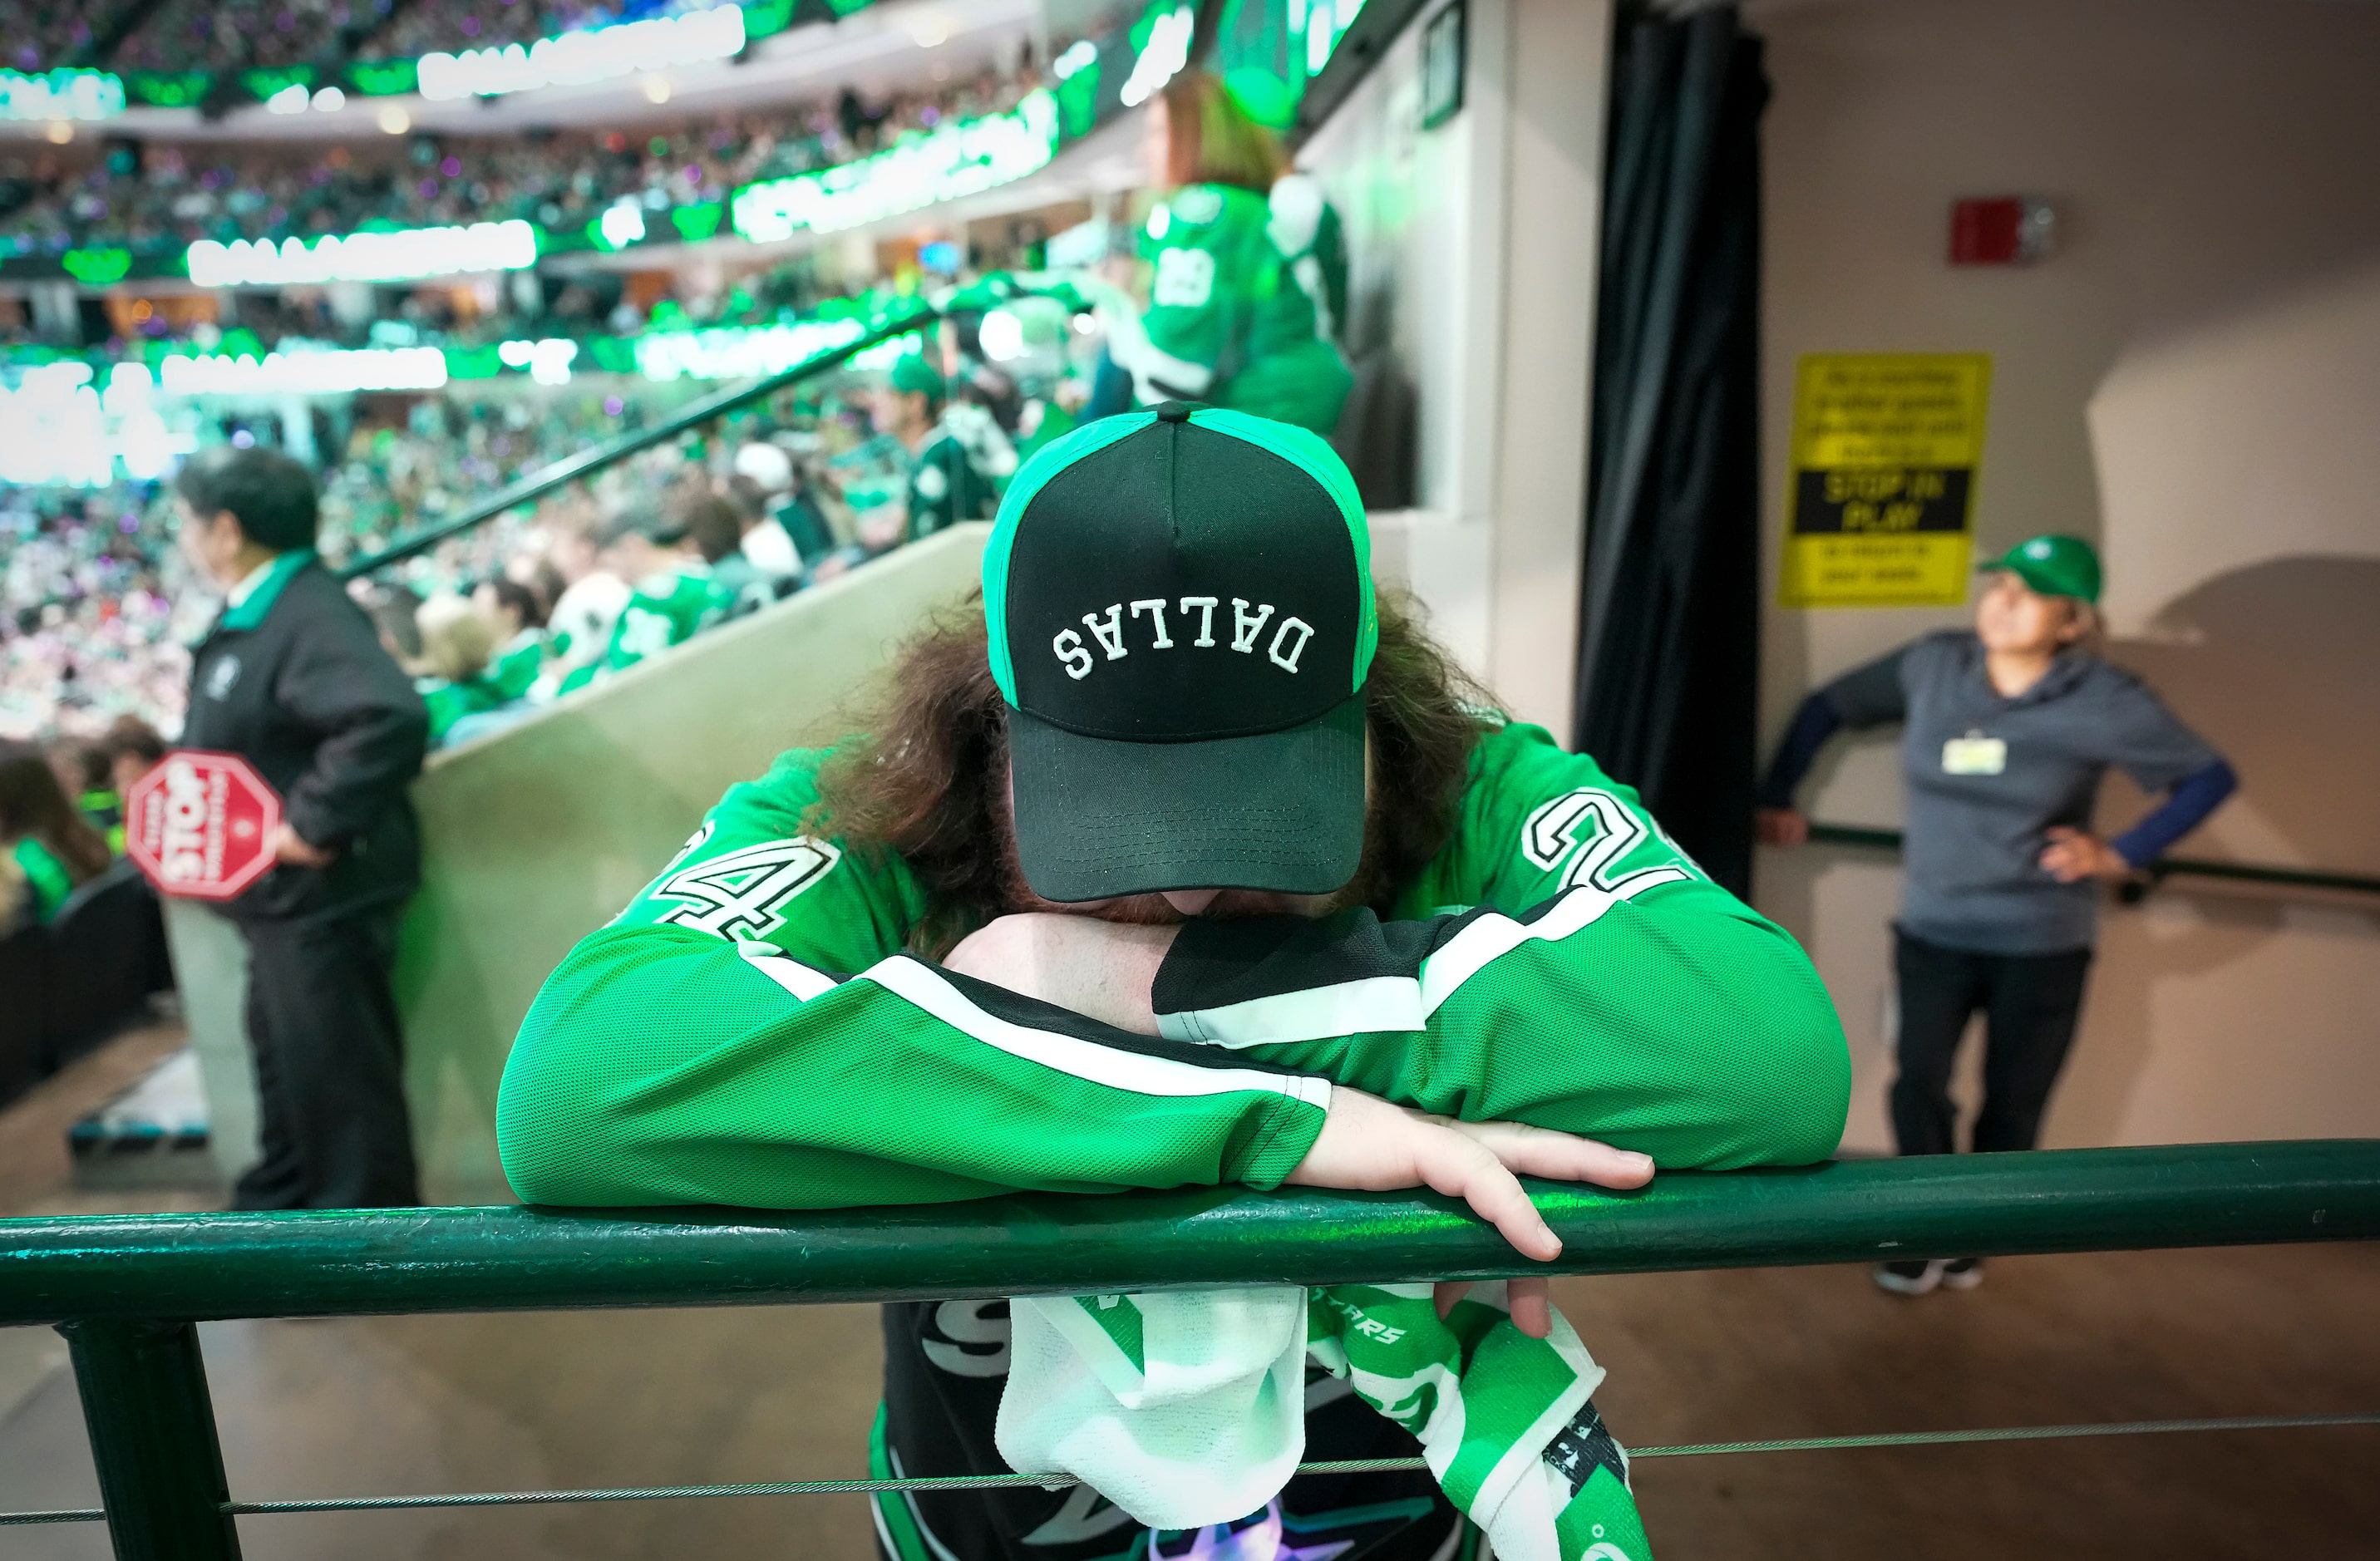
(1344, 1466)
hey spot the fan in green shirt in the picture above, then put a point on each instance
(671, 595)
(51, 847)
(1231, 318)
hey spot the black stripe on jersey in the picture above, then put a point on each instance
(1032, 1013)
(1216, 963)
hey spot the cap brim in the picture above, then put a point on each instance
(1098, 817)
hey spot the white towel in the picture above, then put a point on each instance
(1185, 1408)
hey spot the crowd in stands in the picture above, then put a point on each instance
(39, 35)
(452, 25)
(155, 196)
(544, 598)
(241, 34)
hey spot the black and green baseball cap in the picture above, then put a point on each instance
(2053, 565)
(1181, 616)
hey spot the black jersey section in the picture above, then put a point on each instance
(1035, 1014)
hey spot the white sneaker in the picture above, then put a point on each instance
(1963, 1273)
(1917, 1276)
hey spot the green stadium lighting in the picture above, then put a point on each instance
(61, 94)
(944, 164)
(406, 255)
(596, 53)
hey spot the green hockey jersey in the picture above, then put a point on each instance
(1228, 321)
(662, 611)
(750, 1030)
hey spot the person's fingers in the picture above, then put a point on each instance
(1463, 1168)
(1558, 1156)
(1527, 1300)
(1532, 1307)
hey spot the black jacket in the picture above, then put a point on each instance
(294, 681)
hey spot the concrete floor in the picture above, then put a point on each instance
(602, 1398)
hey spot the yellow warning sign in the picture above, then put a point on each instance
(1880, 509)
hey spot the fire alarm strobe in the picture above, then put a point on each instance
(201, 825)
(2009, 230)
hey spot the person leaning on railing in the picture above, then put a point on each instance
(1172, 859)
(2007, 728)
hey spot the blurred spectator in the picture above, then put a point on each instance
(85, 774)
(947, 479)
(53, 848)
(134, 748)
(672, 595)
(584, 616)
(716, 526)
(518, 620)
(293, 679)
(457, 642)
(762, 484)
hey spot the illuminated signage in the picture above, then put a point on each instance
(732, 352)
(944, 164)
(597, 53)
(401, 256)
(61, 94)
(1166, 51)
(321, 373)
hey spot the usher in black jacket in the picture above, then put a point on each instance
(294, 680)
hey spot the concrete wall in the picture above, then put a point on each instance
(2190, 380)
(1474, 251)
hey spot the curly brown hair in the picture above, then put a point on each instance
(927, 778)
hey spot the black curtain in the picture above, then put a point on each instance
(1668, 649)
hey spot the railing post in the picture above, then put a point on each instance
(152, 1437)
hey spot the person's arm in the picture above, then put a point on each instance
(1604, 985)
(749, 1032)
(2146, 741)
(2185, 808)
(1867, 695)
(339, 682)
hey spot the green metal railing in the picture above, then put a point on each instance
(574, 468)
(2131, 889)
(126, 1291)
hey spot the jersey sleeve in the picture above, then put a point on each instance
(748, 1030)
(1597, 981)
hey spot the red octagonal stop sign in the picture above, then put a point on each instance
(201, 825)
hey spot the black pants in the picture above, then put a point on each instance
(329, 1066)
(945, 1364)
(2030, 1003)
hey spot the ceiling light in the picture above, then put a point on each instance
(929, 29)
(291, 99)
(395, 120)
(60, 132)
(330, 100)
(657, 89)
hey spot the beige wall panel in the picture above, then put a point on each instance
(2188, 380)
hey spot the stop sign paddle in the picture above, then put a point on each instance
(201, 825)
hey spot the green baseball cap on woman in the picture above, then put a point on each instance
(2053, 565)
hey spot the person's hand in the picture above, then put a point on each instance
(290, 847)
(2074, 855)
(1781, 826)
(1369, 1146)
(1101, 970)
